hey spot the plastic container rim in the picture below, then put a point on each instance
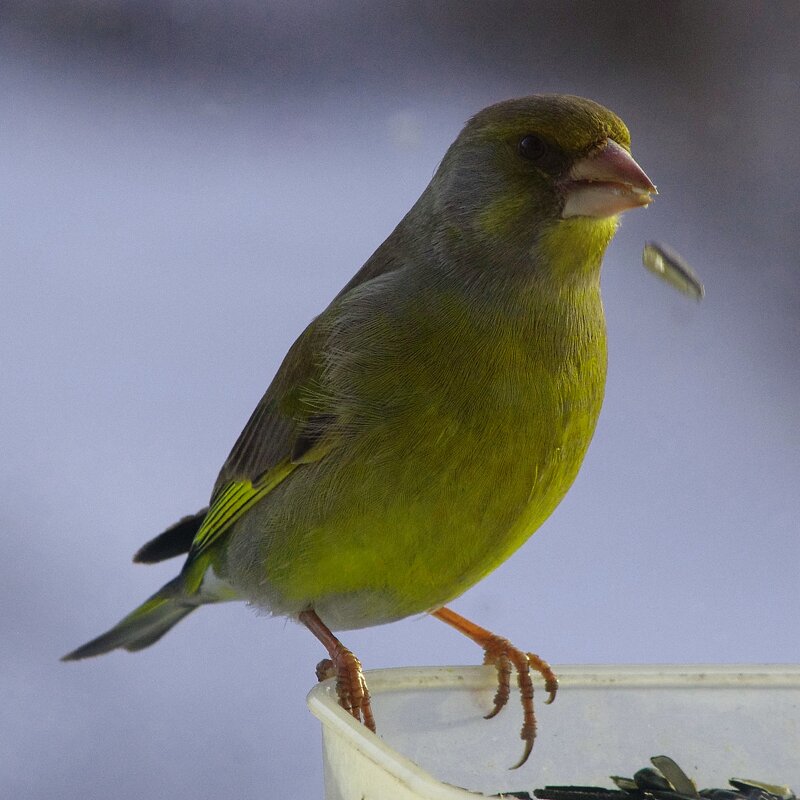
(323, 703)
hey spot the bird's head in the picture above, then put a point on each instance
(544, 171)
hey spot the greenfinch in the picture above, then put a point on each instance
(428, 421)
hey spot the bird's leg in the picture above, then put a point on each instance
(506, 658)
(351, 688)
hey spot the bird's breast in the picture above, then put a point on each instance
(460, 435)
(473, 439)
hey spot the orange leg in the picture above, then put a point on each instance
(351, 688)
(506, 658)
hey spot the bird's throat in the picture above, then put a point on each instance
(574, 248)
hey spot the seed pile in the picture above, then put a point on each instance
(665, 780)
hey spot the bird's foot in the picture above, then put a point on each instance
(351, 686)
(506, 659)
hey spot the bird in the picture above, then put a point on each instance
(432, 417)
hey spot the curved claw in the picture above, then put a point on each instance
(550, 679)
(525, 754)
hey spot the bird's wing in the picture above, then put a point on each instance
(294, 416)
(295, 423)
(284, 432)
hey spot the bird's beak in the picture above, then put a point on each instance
(605, 183)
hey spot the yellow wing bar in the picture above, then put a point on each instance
(232, 502)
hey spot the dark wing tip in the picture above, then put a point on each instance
(174, 541)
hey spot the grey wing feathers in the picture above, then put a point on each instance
(282, 416)
(270, 433)
(266, 439)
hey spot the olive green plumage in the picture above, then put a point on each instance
(433, 416)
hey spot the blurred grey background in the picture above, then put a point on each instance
(185, 184)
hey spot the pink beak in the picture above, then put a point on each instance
(605, 183)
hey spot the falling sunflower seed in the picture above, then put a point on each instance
(670, 267)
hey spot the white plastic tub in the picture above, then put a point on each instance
(716, 722)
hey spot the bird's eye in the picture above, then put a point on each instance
(532, 148)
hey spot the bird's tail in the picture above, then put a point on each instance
(143, 626)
